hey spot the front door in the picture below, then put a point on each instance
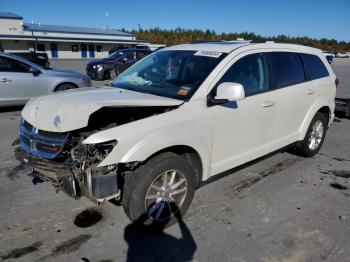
(92, 51)
(83, 51)
(242, 130)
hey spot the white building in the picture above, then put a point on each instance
(60, 42)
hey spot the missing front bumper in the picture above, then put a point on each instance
(64, 177)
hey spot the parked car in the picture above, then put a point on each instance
(343, 55)
(21, 80)
(38, 58)
(176, 118)
(114, 64)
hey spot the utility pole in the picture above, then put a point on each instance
(139, 30)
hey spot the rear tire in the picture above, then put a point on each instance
(159, 192)
(314, 137)
(65, 87)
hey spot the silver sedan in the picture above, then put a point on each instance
(21, 80)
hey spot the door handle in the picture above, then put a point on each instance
(309, 92)
(5, 80)
(268, 103)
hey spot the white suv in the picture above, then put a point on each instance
(176, 118)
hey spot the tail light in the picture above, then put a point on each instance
(337, 82)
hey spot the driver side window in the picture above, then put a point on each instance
(130, 55)
(11, 65)
(249, 71)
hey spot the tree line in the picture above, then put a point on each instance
(181, 36)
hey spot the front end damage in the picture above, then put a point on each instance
(71, 166)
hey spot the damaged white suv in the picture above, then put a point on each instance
(176, 118)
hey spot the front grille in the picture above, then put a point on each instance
(54, 135)
(48, 148)
(26, 141)
(27, 126)
(44, 144)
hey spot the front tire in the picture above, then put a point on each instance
(64, 87)
(159, 192)
(314, 137)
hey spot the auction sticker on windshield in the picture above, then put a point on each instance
(208, 53)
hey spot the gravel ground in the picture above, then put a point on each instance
(279, 208)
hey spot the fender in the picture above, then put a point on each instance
(153, 143)
(137, 141)
(316, 106)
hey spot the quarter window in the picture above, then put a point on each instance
(249, 71)
(140, 54)
(287, 69)
(314, 66)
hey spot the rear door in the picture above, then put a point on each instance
(294, 96)
(17, 82)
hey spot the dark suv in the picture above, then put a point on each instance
(115, 63)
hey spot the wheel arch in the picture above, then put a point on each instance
(65, 83)
(319, 106)
(187, 152)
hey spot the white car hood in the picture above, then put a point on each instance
(70, 110)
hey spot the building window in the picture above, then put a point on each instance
(40, 47)
(75, 48)
(99, 48)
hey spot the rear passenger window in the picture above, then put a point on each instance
(249, 71)
(287, 69)
(314, 66)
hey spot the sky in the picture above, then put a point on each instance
(313, 18)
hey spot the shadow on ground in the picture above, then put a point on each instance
(144, 245)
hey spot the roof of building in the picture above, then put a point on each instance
(73, 29)
(9, 15)
(229, 46)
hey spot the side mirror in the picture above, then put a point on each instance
(228, 92)
(34, 71)
(123, 60)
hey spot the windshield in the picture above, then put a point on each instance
(174, 74)
(115, 55)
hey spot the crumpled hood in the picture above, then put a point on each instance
(70, 110)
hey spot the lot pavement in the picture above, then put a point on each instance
(280, 208)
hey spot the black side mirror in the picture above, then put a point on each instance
(34, 71)
(123, 60)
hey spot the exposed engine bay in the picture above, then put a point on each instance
(72, 166)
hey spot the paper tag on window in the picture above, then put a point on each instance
(214, 54)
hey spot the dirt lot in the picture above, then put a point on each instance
(280, 208)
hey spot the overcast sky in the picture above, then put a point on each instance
(313, 18)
